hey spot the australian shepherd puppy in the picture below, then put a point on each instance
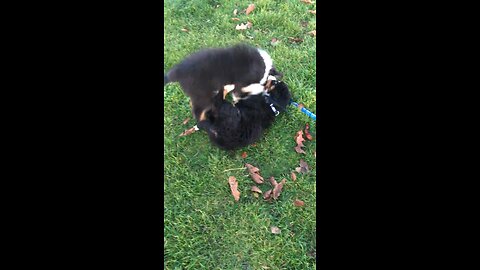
(231, 126)
(202, 74)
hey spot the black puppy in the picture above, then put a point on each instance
(201, 74)
(231, 126)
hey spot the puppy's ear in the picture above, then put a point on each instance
(275, 73)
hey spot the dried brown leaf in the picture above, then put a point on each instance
(303, 164)
(313, 11)
(188, 132)
(299, 149)
(251, 168)
(313, 33)
(186, 121)
(256, 189)
(295, 40)
(235, 19)
(244, 155)
(257, 178)
(267, 194)
(299, 140)
(303, 167)
(307, 1)
(272, 181)
(278, 189)
(253, 171)
(307, 132)
(235, 12)
(298, 203)
(250, 8)
(232, 181)
(243, 26)
(294, 176)
(304, 24)
(275, 230)
(184, 30)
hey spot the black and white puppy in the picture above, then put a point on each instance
(202, 74)
(231, 126)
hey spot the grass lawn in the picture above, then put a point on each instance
(204, 227)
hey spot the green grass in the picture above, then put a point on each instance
(204, 227)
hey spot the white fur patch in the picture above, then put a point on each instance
(229, 87)
(271, 78)
(254, 89)
(268, 64)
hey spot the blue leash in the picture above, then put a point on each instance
(305, 111)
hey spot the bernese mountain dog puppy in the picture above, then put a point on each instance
(232, 126)
(201, 74)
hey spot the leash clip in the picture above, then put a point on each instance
(274, 110)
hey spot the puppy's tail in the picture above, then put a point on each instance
(165, 79)
(170, 76)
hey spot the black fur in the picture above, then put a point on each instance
(206, 71)
(233, 126)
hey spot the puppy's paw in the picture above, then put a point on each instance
(227, 89)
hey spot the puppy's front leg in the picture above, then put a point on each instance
(253, 89)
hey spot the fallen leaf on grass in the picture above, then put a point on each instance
(313, 33)
(307, 1)
(244, 155)
(184, 30)
(294, 176)
(253, 171)
(304, 24)
(235, 19)
(275, 230)
(299, 150)
(303, 167)
(235, 12)
(234, 187)
(256, 189)
(315, 154)
(272, 181)
(267, 194)
(299, 140)
(274, 42)
(250, 8)
(186, 121)
(307, 132)
(278, 189)
(313, 11)
(188, 132)
(298, 203)
(243, 26)
(295, 40)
